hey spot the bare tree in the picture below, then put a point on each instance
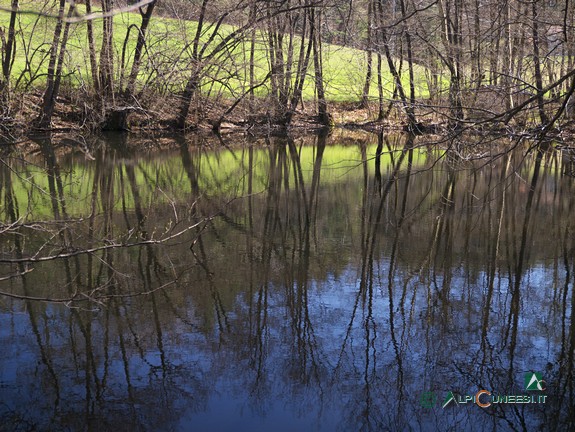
(54, 75)
(8, 54)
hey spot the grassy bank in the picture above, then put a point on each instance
(168, 60)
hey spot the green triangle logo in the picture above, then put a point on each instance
(534, 381)
(448, 399)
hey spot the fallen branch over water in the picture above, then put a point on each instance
(36, 258)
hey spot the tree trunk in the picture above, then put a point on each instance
(194, 81)
(323, 114)
(146, 17)
(92, 48)
(537, 62)
(409, 47)
(302, 68)
(369, 54)
(451, 38)
(252, 57)
(8, 54)
(107, 53)
(407, 107)
(53, 77)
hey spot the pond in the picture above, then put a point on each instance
(343, 283)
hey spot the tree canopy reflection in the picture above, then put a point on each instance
(252, 285)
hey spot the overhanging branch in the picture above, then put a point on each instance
(78, 17)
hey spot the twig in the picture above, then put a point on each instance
(35, 258)
(77, 17)
(12, 276)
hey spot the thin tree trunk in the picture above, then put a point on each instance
(106, 52)
(380, 97)
(8, 54)
(9, 48)
(477, 69)
(303, 64)
(194, 81)
(323, 114)
(537, 62)
(369, 54)
(451, 38)
(54, 66)
(408, 108)
(409, 55)
(252, 56)
(92, 48)
(146, 17)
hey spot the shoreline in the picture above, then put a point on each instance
(74, 125)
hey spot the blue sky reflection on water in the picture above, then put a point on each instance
(324, 302)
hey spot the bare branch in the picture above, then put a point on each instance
(77, 17)
(37, 258)
(15, 275)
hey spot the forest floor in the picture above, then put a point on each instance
(81, 117)
(75, 120)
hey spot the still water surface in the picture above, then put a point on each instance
(319, 284)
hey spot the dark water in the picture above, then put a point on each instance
(330, 284)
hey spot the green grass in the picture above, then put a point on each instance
(166, 65)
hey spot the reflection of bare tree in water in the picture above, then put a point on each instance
(434, 296)
(98, 275)
(292, 226)
(444, 237)
(565, 386)
(272, 224)
(298, 290)
(562, 389)
(374, 200)
(516, 287)
(32, 308)
(202, 258)
(494, 231)
(69, 239)
(500, 359)
(520, 261)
